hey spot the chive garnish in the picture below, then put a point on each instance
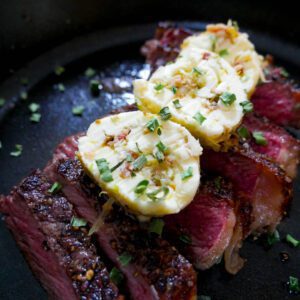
(174, 89)
(243, 132)
(61, 87)
(165, 113)
(125, 259)
(294, 285)
(59, 70)
(152, 125)
(78, 222)
(116, 276)
(159, 87)
(33, 107)
(223, 52)
(2, 102)
(78, 110)
(35, 117)
(273, 238)
(138, 148)
(227, 98)
(154, 195)
(139, 162)
(187, 173)
(199, 118)
(94, 87)
(291, 240)
(197, 71)
(89, 72)
(247, 106)
(141, 187)
(56, 186)
(161, 146)
(18, 150)
(177, 104)
(24, 95)
(185, 239)
(105, 172)
(159, 155)
(117, 165)
(284, 72)
(156, 226)
(259, 138)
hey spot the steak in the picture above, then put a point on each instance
(203, 230)
(156, 270)
(281, 147)
(261, 189)
(62, 256)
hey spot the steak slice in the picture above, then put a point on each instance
(281, 147)
(203, 230)
(63, 257)
(156, 270)
(261, 188)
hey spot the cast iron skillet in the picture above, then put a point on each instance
(115, 54)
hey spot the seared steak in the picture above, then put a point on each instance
(62, 256)
(203, 230)
(156, 270)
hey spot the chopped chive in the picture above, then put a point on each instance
(294, 285)
(78, 222)
(24, 81)
(35, 117)
(174, 89)
(105, 173)
(59, 70)
(243, 132)
(61, 87)
(284, 72)
(187, 173)
(223, 52)
(185, 239)
(141, 187)
(291, 240)
(33, 107)
(217, 182)
(156, 226)
(125, 259)
(159, 155)
(177, 104)
(153, 124)
(199, 118)
(197, 71)
(2, 102)
(159, 87)
(227, 98)
(213, 40)
(117, 165)
(116, 276)
(165, 113)
(247, 106)
(139, 162)
(56, 186)
(159, 131)
(259, 138)
(161, 146)
(89, 72)
(24, 95)
(94, 87)
(154, 195)
(18, 150)
(273, 238)
(129, 158)
(78, 110)
(138, 148)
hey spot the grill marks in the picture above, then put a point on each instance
(62, 256)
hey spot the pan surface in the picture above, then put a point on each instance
(114, 54)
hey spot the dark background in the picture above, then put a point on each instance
(30, 27)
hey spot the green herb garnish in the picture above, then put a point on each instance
(243, 132)
(259, 138)
(174, 89)
(33, 107)
(161, 146)
(125, 259)
(223, 52)
(117, 165)
(138, 148)
(284, 72)
(187, 173)
(156, 226)
(291, 240)
(116, 276)
(164, 190)
(94, 87)
(2, 102)
(227, 98)
(89, 72)
(105, 172)
(273, 238)
(159, 87)
(197, 71)
(247, 106)
(152, 125)
(78, 110)
(294, 285)
(59, 70)
(24, 95)
(199, 118)
(165, 113)
(78, 222)
(177, 104)
(159, 155)
(139, 162)
(141, 187)
(18, 150)
(35, 117)
(185, 239)
(61, 87)
(56, 186)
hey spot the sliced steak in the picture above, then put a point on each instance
(156, 270)
(262, 189)
(63, 257)
(203, 230)
(281, 147)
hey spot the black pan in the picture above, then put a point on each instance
(114, 53)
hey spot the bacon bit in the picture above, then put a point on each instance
(126, 170)
(122, 136)
(108, 138)
(98, 121)
(89, 274)
(239, 69)
(223, 30)
(206, 55)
